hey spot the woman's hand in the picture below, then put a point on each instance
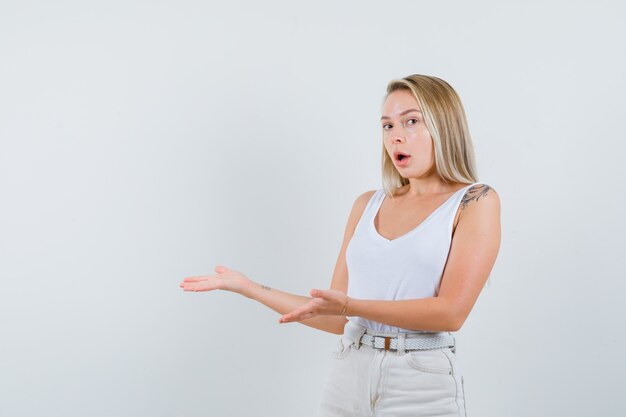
(226, 279)
(325, 302)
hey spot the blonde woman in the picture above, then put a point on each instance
(415, 256)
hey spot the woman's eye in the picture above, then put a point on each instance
(414, 120)
(385, 126)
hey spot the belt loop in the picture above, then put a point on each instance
(400, 346)
(354, 332)
(359, 335)
(454, 339)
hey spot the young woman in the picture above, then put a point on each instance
(415, 256)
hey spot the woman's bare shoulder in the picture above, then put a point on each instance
(359, 205)
(479, 203)
(479, 209)
(479, 192)
(364, 198)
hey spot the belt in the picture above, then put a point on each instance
(411, 342)
(358, 335)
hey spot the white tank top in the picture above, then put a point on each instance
(407, 267)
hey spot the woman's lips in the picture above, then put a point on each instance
(404, 162)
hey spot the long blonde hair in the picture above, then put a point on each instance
(445, 119)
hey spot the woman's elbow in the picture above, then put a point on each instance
(456, 321)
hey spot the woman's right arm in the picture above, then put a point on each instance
(280, 301)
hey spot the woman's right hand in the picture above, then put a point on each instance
(226, 279)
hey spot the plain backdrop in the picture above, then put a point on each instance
(142, 142)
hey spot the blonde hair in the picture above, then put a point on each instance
(445, 120)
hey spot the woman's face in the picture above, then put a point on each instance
(404, 132)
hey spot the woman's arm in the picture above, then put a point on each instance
(280, 301)
(283, 302)
(473, 252)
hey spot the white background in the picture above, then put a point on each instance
(144, 142)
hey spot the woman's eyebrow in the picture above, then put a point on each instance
(403, 113)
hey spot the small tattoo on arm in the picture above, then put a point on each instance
(474, 193)
(265, 287)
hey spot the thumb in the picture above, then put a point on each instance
(318, 293)
(220, 269)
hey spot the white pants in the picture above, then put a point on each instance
(365, 381)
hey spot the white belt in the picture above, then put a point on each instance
(390, 341)
(411, 342)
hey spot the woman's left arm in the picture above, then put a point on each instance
(473, 251)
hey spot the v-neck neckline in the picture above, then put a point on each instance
(416, 228)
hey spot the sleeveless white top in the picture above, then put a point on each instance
(407, 267)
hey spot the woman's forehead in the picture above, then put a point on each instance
(399, 104)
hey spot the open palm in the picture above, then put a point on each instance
(325, 302)
(225, 279)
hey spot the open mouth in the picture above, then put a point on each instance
(400, 156)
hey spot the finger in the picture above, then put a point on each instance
(287, 318)
(317, 293)
(220, 269)
(194, 286)
(305, 316)
(195, 289)
(299, 317)
(295, 314)
(322, 294)
(188, 286)
(195, 279)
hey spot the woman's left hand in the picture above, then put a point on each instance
(324, 302)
